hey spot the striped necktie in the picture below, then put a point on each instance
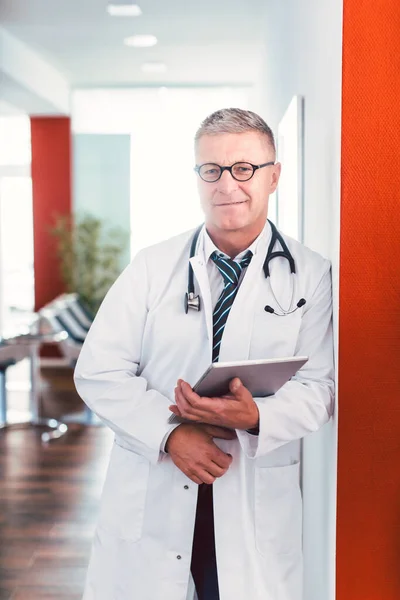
(231, 272)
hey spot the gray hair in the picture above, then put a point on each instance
(234, 120)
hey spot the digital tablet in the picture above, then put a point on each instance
(262, 377)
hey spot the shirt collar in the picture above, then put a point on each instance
(210, 247)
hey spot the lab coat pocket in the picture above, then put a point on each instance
(278, 510)
(124, 494)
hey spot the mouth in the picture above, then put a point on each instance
(231, 203)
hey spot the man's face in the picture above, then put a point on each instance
(232, 205)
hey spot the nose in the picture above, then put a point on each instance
(227, 184)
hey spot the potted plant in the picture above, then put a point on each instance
(90, 256)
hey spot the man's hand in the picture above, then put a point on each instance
(236, 411)
(194, 452)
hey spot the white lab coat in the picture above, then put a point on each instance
(140, 343)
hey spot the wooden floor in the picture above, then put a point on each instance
(48, 506)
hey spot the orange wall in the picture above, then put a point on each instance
(368, 525)
(51, 183)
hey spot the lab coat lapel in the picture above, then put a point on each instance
(201, 278)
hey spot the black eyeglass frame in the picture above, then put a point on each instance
(222, 169)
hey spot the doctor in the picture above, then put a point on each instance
(165, 533)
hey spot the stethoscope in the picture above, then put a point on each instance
(193, 302)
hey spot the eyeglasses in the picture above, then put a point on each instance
(241, 171)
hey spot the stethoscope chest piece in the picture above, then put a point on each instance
(192, 301)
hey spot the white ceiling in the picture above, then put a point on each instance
(208, 42)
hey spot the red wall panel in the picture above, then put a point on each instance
(368, 518)
(51, 183)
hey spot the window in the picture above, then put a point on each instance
(15, 141)
(16, 223)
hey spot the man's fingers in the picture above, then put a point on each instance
(187, 390)
(220, 432)
(222, 459)
(215, 469)
(192, 449)
(195, 478)
(208, 474)
(207, 410)
(186, 410)
(181, 400)
(237, 388)
(206, 477)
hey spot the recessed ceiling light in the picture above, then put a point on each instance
(154, 67)
(141, 41)
(124, 10)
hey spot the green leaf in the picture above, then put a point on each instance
(89, 255)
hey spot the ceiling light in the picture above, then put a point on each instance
(141, 41)
(124, 10)
(154, 67)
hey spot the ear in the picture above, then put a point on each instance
(275, 175)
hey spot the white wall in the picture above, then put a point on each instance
(303, 40)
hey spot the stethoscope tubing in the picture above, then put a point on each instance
(192, 301)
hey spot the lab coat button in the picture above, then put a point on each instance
(186, 487)
(179, 557)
